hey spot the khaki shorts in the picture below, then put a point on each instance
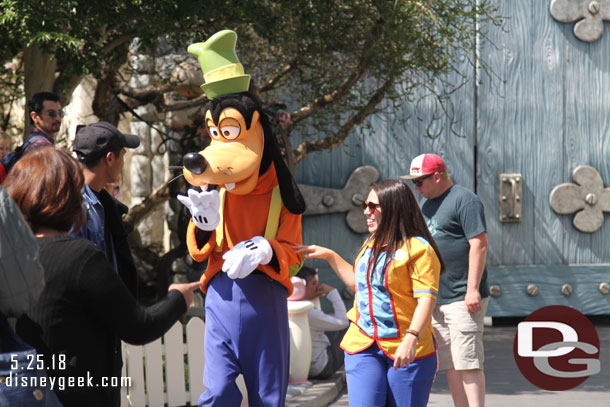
(459, 336)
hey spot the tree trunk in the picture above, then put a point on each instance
(105, 105)
(140, 211)
(39, 73)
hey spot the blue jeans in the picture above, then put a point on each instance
(373, 382)
(18, 373)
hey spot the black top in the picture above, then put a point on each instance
(113, 228)
(82, 313)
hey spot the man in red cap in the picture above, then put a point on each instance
(456, 220)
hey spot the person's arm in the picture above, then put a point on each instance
(344, 270)
(424, 270)
(421, 318)
(109, 300)
(476, 266)
(326, 322)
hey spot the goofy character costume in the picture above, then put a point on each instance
(246, 229)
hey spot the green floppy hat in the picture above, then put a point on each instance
(222, 71)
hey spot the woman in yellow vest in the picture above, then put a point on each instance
(390, 352)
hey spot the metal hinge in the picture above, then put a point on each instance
(510, 197)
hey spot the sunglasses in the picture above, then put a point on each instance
(371, 205)
(52, 113)
(418, 182)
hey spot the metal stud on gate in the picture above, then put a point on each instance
(532, 290)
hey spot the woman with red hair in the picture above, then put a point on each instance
(85, 309)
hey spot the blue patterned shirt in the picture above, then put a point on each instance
(93, 229)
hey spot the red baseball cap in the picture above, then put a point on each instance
(425, 164)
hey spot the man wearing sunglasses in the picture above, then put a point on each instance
(456, 219)
(45, 116)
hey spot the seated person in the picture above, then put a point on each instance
(327, 330)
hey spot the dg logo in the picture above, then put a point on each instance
(556, 348)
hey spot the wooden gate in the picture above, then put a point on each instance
(548, 115)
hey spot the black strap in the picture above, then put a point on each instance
(27, 142)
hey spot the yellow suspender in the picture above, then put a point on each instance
(273, 219)
(220, 228)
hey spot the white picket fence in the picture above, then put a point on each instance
(157, 370)
(159, 375)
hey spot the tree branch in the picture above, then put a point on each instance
(333, 96)
(122, 39)
(338, 93)
(186, 104)
(335, 140)
(156, 98)
(270, 84)
(128, 37)
(146, 96)
(138, 212)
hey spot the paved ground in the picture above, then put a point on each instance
(506, 386)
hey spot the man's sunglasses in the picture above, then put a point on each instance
(418, 182)
(52, 113)
(371, 205)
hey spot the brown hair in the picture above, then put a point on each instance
(46, 184)
(401, 219)
(306, 273)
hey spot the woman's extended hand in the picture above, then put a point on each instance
(187, 291)
(344, 270)
(313, 251)
(406, 352)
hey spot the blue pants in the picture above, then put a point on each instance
(246, 331)
(373, 382)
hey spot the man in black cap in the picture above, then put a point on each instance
(100, 147)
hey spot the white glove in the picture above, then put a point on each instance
(204, 207)
(246, 256)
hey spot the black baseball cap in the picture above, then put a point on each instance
(101, 137)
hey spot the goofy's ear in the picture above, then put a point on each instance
(291, 196)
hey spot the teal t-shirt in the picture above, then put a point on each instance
(453, 218)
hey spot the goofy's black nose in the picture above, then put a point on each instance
(194, 162)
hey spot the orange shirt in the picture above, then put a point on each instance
(245, 216)
(383, 309)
